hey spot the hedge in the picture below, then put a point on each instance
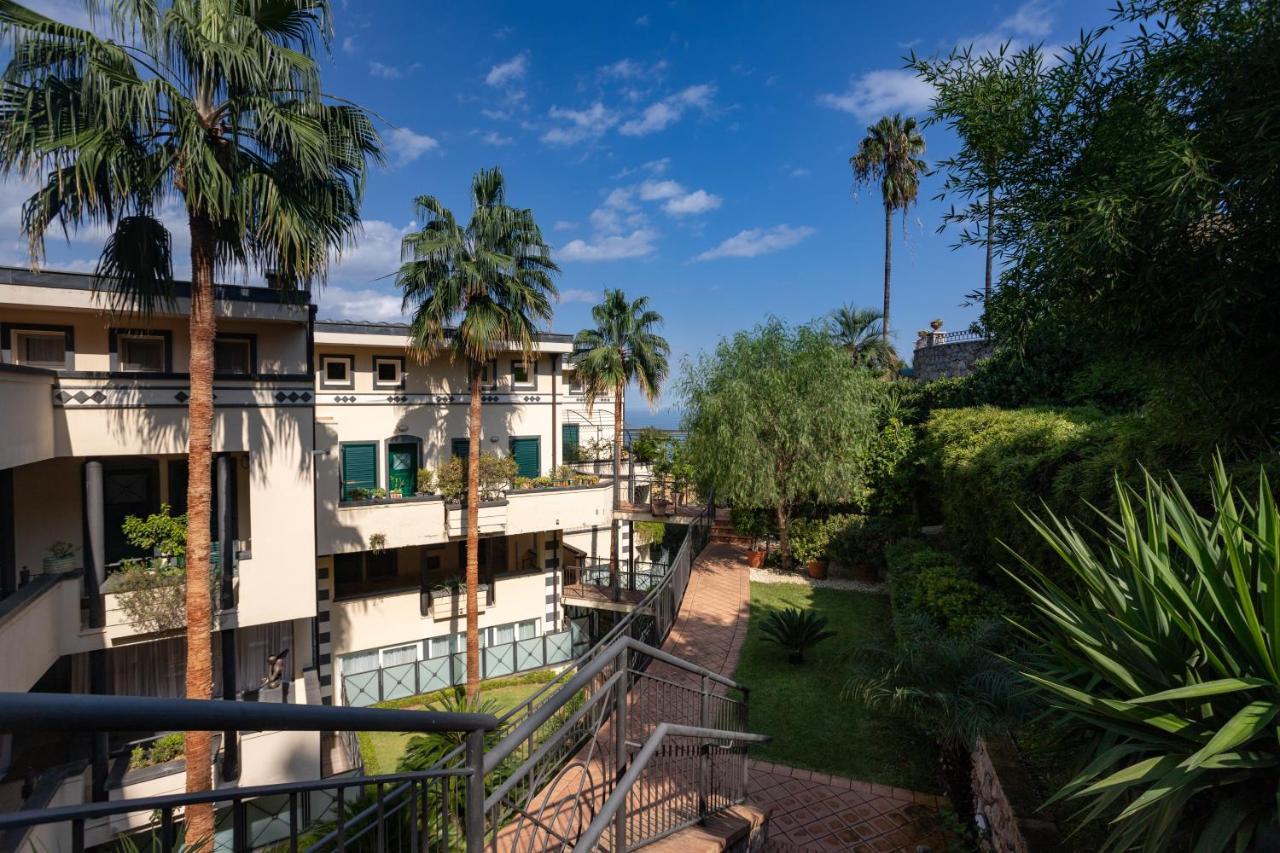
(932, 583)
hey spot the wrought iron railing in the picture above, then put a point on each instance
(636, 576)
(339, 813)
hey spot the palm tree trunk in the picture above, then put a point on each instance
(473, 535)
(991, 224)
(199, 677)
(614, 578)
(888, 267)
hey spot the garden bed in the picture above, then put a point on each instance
(802, 708)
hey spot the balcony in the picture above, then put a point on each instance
(404, 522)
(491, 519)
(591, 585)
(34, 619)
(26, 415)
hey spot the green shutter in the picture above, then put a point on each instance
(460, 447)
(569, 440)
(528, 455)
(359, 468)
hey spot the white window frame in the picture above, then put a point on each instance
(378, 381)
(374, 653)
(489, 375)
(348, 364)
(20, 335)
(417, 653)
(124, 339)
(537, 626)
(531, 373)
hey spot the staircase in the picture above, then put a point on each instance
(723, 532)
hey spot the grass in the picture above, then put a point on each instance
(802, 707)
(381, 751)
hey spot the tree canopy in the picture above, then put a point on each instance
(778, 416)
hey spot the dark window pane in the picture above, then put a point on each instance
(347, 568)
(381, 566)
(231, 357)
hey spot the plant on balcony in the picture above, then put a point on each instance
(543, 482)
(357, 493)
(377, 543)
(152, 591)
(62, 558)
(162, 749)
(379, 494)
(161, 533)
(426, 479)
(497, 471)
(796, 630)
(451, 478)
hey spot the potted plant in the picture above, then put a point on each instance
(426, 479)
(377, 543)
(809, 541)
(753, 523)
(379, 494)
(858, 543)
(357, 493)
(62, 558)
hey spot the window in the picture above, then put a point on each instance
(439, 647)
(142, 353)
(489, 374)
(359, 662)
(359, 470)
(527, 630)
(348, 568)
(520, 372)
(380, 566)
(233, 355)
(503, 634)
(41, 349)
(388, 372)
(337, 371)
(575, 382)
(400, 654)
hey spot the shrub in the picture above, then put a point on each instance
(756, 523)
(889, 469)
(1164, 650)
(810, 539)
(160, 533)
(859, 540)
(796, 630)
(927, 583)
(451, 478)
(496, 474)
(162, 749)
(426, 479)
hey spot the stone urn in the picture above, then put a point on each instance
(935, 325)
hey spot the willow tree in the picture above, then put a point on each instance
(624, 348)
(889, 155)
(778, 417)
(216, 106)
(474, 291)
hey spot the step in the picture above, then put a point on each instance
(740, 829)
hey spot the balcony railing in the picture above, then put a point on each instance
(330, 814)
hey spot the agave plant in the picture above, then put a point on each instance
(1167, 647)
(796, 630)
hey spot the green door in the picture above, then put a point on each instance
(359, 468)
(569, 440)
(528, 455)
(402, 468)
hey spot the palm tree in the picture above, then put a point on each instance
(889, 153)
(474, 291)
(623, 348)
(859, 331)
(215, 105)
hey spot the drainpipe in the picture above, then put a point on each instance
(555, 449)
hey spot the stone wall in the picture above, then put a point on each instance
(938, 359)
(1005, 799)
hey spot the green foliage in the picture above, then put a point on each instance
(810, 539)
(777, 417)
(796, 630)
(890, 468)
(451, 478)
(162, 749)
(497, 471)
(623, 348)
(357, 493)
(756, 523)
(860, 332)
(859, 540)
(928, 583)
(1164, 647)
(425, 751)
(60, 550)
(160, 533)
(426, 480)
(649, 445)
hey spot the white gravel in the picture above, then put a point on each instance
(770, 576)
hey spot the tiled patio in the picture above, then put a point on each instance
(809, 811)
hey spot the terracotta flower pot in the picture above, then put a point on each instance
(755, 559)
(817, 569)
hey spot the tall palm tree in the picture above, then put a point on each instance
(622, 349)
(475, 291)
(859, 332)
(889, 154)
(215, 105)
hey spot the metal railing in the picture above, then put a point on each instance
(340, 813)
(635, 576)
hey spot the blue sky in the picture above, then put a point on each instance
(696, 153)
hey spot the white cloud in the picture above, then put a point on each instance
(659, 190)
(629, 69)
(879, 92)
(758, 241)
(385, 72)
(564, 225)
(492, 137)
(698, 201)
(1031, 19)
(342, 303)
(349, 45)
(799, 172)
(576, 295)
(508, 72)
(405, 145)
(661, 114)
(637, 244)
(583, 125)
(375, 254)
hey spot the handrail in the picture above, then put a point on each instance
(618, 798)
(539, 715)
(93, 713)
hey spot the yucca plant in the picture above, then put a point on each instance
(1167, 648)
(796, 630)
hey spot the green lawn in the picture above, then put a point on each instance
(813, 726)
(381, 751)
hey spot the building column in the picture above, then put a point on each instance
(8, 537)
(95, 543)
(99, 740)
(230, 739)
(226, 544)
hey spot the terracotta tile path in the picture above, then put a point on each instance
(809, 811)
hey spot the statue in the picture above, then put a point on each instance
(275, 669)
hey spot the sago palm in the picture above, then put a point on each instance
(1163, 648)
(859, 331)
(475, 290)
(215, 105)
(622, 349)
(890, 155)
